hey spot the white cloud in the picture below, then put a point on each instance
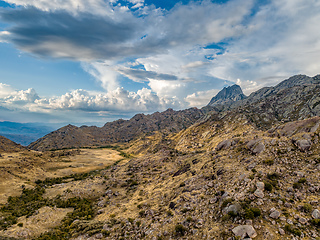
(5, 90)
(104, 73)
(73, 6)
(201, 98)
(22, 97)
(284, 41)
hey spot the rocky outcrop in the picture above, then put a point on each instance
(228, 95)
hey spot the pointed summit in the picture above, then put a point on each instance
(228, 95)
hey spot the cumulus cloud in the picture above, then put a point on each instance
(22, 97)
(200, 98)
(118, 100)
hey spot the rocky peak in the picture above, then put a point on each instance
(228, 95)
(297, 80)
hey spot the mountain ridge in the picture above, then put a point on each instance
(293, 99)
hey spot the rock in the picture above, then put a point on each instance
(99, 236)
(251, 166)
(281, 231)
(223, 145)
(260, 185)
(275, 214)
(289, 221)
(287, 205)
(302, 220)
(316, 214)
(259, 148)
(249, 222)
(244, 231)
(303, 144)
(232, 208)
(259, 193)
(256, 146)
(100, 211)
(259, 202)
(213, 200)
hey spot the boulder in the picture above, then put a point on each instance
(316, 214)
(244, 231)
(223, 145)
(260, 185)
(303, 144)
(256, 146)
(275, 214)
(259, 193)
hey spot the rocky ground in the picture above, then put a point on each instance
(215, 180)
(248, 169)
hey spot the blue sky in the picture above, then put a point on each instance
(80, 61)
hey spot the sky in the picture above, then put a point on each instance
(94, 61)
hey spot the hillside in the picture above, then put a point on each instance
(248, 169)
(295, 98)
(119, 131)
(7, 145)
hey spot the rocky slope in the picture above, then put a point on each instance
(218, 179)
(295, 98)
(238, 171)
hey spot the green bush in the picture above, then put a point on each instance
(268, 186)
(226, 202)
(297, 185)
(251, 213)
(268, 162)
(302, 180)
(180, 230)
(315, 222)
(291, 230)
(307, 208)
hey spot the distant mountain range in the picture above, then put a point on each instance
(24, 133)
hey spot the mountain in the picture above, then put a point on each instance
(228, 95)
(24, 133)
(119, 131)
(7, 145)
(293, 99)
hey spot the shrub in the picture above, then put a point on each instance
(297, 185)
(180, 230)
(226, 202)
(290, 229)
(273, 176)
(251, 213)
(315, 222)
(302, 180)
(268, 162)
(169, 213)
(267, 186)
(307, 207)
